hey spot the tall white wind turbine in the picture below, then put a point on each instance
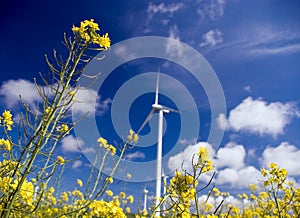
(156, 107)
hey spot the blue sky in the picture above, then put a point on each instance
(253, 48)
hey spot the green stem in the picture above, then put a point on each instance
(43, 127)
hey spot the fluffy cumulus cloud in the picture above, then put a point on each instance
(71, 144)
(87, 101)
(285, 155)
(231, 169)
(212, 38)
(11, 90)
(259, 117)
(232, 156)
(229, 163)
(240, 178)
(74, 145)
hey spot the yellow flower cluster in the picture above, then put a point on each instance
(183, 188)
(110, 180)
(7, 144)
(60, 160)
(6, 119)
(103, 143)
(204, 162)
(79, 182)
(132, 137)
(63, 129)
(279, 199)
(101, 208)
(87, 31)
(26, 192)
(109, 193)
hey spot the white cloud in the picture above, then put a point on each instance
(162, 8)
(232, 155)
(88, 101)
(75, 145)
(229, 163)
(222, 121)
(76, 164)
(135, 155)
(71, 144)
(285, 155)
(164, 11)
(212, 38)
(212, 9)
(174, 46)
(12, 89)
(187, 141)
(270, 41)
(285, 49)
(260, 117)
(238, 178)
(230, 166)
(247, 88)
(235, 173)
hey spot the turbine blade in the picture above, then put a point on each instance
(157, 85)
(171, 110)
(146, 121)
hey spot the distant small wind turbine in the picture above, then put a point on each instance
(145, 198)
(161, 110)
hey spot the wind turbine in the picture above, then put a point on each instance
(156, 107)
(145, 198)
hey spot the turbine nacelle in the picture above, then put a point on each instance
(159, 107)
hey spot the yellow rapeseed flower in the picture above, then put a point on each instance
(273, 166)
(48, 110)
(102, 142)
(109, 193)
(110, 179)
(127, 209)
(112, 149)
(61, 160)
(7, 144)
(130, 199)
(104, 41)
(135, 137)
(263, 172)
(87, 32)
(252, 187)
(63, 128)
(65, 196)
(71, 93)
(79, 182)
(132, 137)
(7, 119)
(122, 195)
